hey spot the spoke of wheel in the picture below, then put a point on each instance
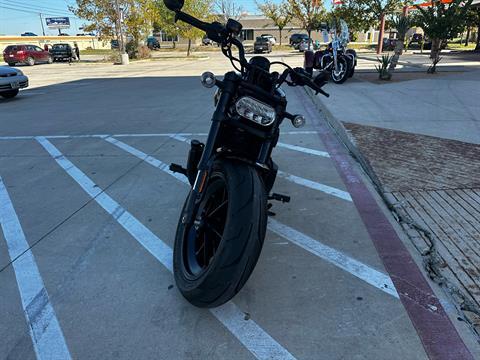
(201, 247)
(210, 226)
(218, 208)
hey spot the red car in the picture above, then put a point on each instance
(26, 54)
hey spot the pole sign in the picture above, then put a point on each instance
(58, 22)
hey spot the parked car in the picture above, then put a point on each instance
(416, 42)
(261, 45)
(63, 34)
(153, 43)
(206, 41)
(270, 38)
(296, 39)
(63, 52)
(305, 45)
(28, 34)
(11, 81)
(26, 54)
(114, 44)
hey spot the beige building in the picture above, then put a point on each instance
(257, 25)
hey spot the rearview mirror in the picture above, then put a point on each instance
(174, 5)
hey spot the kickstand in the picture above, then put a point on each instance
(270, 213)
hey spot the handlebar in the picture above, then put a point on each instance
(225, 36)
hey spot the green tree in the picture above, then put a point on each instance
(103, 17)
(441, 22)
(358, 19)
(201, 9)
(376, 12)
(309, 13)
(472, 20)
(279, 13)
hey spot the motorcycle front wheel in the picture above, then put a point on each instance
(340, 76)
(214, 256)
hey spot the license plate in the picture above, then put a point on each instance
(15, 85)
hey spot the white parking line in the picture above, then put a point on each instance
(304, 150)
(335, 257)
(45, 331)
(283, 145)
(293, 178)
(32, 137)
(249, 333)
(315, 186)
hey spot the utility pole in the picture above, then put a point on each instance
(41, 23)
(121, 42)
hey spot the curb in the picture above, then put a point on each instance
(430, 256)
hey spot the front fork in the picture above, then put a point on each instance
(228, 86)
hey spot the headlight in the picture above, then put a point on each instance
(19, 72)
(256, 111)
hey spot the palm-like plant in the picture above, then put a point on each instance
(402, 24)
(382, 67)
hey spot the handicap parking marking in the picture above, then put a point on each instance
(335, 257)
(248, 332)
(44, 328)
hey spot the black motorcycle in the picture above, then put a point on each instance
(223, 222)
(336, 59)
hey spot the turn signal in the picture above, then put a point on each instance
(208, 79)
(298, 121)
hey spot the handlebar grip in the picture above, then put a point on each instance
(323, 93)
(180, 15)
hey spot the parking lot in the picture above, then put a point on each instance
(89, 211)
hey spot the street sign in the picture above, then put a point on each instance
(58, 22)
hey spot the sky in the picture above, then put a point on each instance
(19, 16)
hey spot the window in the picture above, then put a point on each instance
(169, 38)
(247, 34)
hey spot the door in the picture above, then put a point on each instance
(41, 54)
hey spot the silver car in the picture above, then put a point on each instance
(11, 81)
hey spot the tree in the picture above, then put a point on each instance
(477, 47)
(309, 13)
(103, 17)
(379, 9)
(358, 20)
(197, 8)
(472, 19)
(401, 24)
(228, 9)
(441, 22)
(279, 13)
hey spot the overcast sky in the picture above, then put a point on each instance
(19, 16)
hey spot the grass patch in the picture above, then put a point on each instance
(457, 46)
(97, 52)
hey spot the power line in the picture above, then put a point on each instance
(34, 8)
(43, 7)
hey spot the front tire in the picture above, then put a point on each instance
(341, 76)
(9, 94)
(213, 261)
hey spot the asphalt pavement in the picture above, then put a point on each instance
(89, 210)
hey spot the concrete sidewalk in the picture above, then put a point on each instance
(444, 105)
(419, 141)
